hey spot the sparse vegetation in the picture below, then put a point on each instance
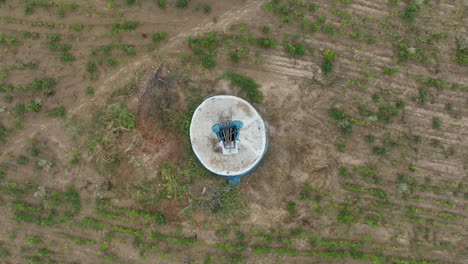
(158, 36)
(84, 167)
(329, 56)
(344, 121)
(247, 86)
(181, 3)
(411, 10)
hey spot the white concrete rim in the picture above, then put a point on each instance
(229, 173)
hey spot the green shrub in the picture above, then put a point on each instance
(399, 104)
(29, 9)
(111, 62)
(423, 92)
(436, 122)
(91, 67)
(122, 115)
(234, 56)
(345, 216)
(381, 150)
(247, 85)
(67, 57)
(206, 9)
(89, 91)
(292, 208)
(8, 40)
(208, 62)
(77, 27)
(404, 52)
(61, 13)
(329, 55)
(462, 51)
(42, 84)
(344, 121)
(266, 43)
(130, 2)
(33, 106)
(22, 160)
(56, 112)
(162, 4)
(294, 49)
(160, 218)
(390, 71)
(158, 36)
(437, 83)
(3, 133)
(327, 66)
(370, 138)
(386, 113)
(265, 29)
(19, 109)
(411, 10)
(125, 25)
(181, 3)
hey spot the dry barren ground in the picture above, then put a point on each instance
(366, 102)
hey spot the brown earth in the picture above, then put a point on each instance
(303, 137)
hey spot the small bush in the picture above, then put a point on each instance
(122, 115)
(344, 121)
(33, 106)
(67, 57)
(436, 122)
(294, 49)
(125, 25)
(246, 85)
(423, 93)
(77, 27)
(158, 36)
(381, 150)
(160, 218)
(22, 160)
(28, 10)
(208, 62)
(56, 112)
(61, 13)
(111, 62)
(266, 43)
(345, 216)
(370, 138)
(390, 71)
(206, 9)
(462, 51)
(327, 66)
(399, 104)
(89, 91)
(387, 113)
(343, 172)
(234, 56)
(162, 4)
(404, 52)
(3, 133)
(265, 29)
(329, 56)
(411, 10)
(91, 67)
(19, 109)
(181, 3)
(292, 208)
